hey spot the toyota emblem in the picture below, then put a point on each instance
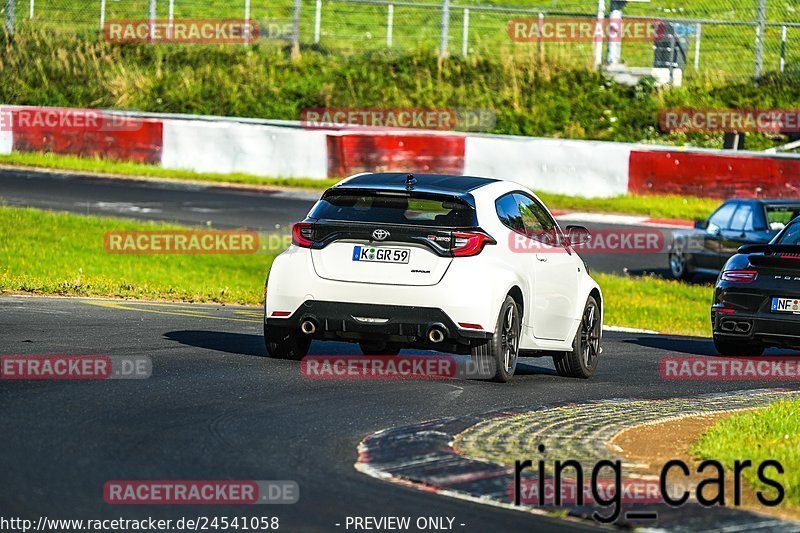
(380, 234)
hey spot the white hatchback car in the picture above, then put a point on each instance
(457, 264)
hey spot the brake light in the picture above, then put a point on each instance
(302, 234)
(794, 257)
(470, 243)
(740, 276)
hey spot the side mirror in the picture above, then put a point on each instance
(713, 230)
(700, 224)
(578, 236)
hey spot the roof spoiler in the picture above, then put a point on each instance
(769, 248)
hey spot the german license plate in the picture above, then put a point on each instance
(786, 305)
(374, 254)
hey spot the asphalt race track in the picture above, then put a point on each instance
(216, 408)
(216, 206)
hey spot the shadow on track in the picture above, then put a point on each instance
(525, 368)
(692, 346)
(221, 341)
(688, 345)
(253, 345)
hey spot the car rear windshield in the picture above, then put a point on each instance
(778, 216)
(395, 209)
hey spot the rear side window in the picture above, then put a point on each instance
(778, 216)
(524, 215)
(384, 209)
(743, 219)
(722, 217)
(534, 216)
(508, 213)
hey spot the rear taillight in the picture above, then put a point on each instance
(303, 234)
(467, 243)
(739, 276)
(793, 257)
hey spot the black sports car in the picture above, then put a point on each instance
(757, 296)
(736, 222)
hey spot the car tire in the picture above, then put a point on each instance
(285, 343)
(502, 350)
(679, 265)
(581, 361)
(734, 347)
(379, 348)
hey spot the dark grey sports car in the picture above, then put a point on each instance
(706, 248)
(757, 297)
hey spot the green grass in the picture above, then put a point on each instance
(769, 433)
(55, 253)
(657, 206)
(676, 207)
(123, 168)
(51, 253)
(656, 304)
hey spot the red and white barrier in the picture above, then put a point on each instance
(226, 147)
(284, 149)
(584, 168)
(713, 174)
(350, 153)
(6, 134)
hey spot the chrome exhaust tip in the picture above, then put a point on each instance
(308, 326)
(436, 334)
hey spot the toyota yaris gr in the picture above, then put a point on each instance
(457, 264)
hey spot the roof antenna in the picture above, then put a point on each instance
(410, 181)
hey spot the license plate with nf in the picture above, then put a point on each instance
(786, 305)
(381, 255)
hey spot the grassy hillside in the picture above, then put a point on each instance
(530, 97)
(354, 27)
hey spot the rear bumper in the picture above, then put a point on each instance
(770, 329)
(393, 323)
(465, 294)
(749, 315)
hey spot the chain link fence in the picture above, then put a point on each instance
(718, 37)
